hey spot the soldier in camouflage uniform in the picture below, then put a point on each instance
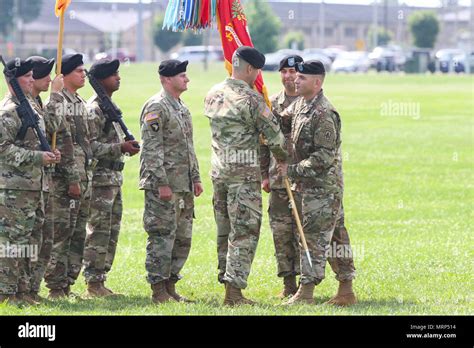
(43, 231)
(317, 173)
(169, 174)
(237, 115)
(72, 184)
(282, 223)
(22, 181)
(106, 202)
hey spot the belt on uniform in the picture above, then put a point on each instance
(113, 165)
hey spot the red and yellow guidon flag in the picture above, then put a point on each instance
(61, 5)
(232, 25)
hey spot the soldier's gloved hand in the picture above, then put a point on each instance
(282, 168)
(130, 148)
(266, 185)
(165, 193)
(74, 191)
(198, 189)
(57, 153)
(48, 158)
(57, 84)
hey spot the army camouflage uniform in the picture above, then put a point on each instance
(70, 214)
(43, 231)
(103, 226)
(282, 223)
(22, 182)
(317, 173)
(237, 115)
(167, 159)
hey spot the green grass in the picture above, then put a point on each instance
(408, 203)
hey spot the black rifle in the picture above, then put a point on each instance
(111, 112)
(29, 118)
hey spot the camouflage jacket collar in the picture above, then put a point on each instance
(175, 103)
(11, 98)
(72, 97)
(237, 83)
(283, 98)
(309, 105)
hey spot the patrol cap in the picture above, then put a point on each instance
(71, 62)
(311, 67)
(22, 66)
(290, 61)
(172, 67)
(251, 56)
(41, 66)
(104, 68)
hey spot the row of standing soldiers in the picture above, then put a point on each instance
(301, 141)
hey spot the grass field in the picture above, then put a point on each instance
(408, 166)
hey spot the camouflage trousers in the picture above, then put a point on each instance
(19, 212)
(285, 232)
(323, 225)
(70, 221)
(43, 236)
(169, 225)
(238, 215)
(103, 230)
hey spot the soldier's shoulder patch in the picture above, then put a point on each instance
(152, 120)
(326, 133)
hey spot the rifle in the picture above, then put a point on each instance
(29, 118)
(111, 112)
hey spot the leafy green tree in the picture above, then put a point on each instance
(164, 39)
(383, 36)
(264, 25)
(424, 27)
(27, 10)
(192, 39)
(294, 39)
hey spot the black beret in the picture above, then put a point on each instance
(311, 67)
(22, 66)
(71, 62)
(290, 61)
(104, 68)
(41, 66)
(172, 67)
(251, 56)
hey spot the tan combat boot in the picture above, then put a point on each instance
(35, 296)
(26, 298)
(171, 290)
(160, 294)
(234, 297)
(55, 294)
(290, 287)
(9, 299)
(95, 289)
(304, 295)
(111, 293)
(345, 295)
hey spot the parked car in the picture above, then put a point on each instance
(462, 61)
(333, 51)
(122, 54)
(389, 58)
(444, 58)
(353, 61)
(318, 54)
(272, 60)
(198, 53)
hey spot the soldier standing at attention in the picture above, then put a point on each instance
(21, 185)
(317, 172)
(43, 231)
(282, 223)
(72, 185)
(106, 202)
(237, 115)
(169, 174)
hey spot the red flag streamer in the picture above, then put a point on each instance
(232, 25)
